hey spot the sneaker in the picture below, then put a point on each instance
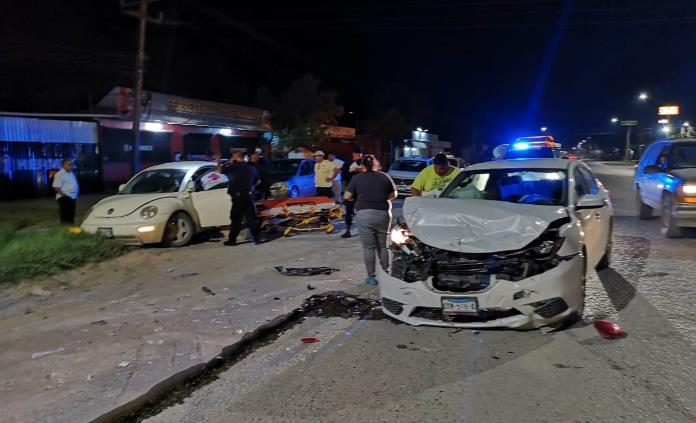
(346, 235)
(230, 243)
(371, 281)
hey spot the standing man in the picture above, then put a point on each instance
(259, 163)
(351, 169)
(243, 180)
(331, 156)
(434, 177)
(324, 175)
(66, 188)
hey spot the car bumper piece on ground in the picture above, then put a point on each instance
(530, 303)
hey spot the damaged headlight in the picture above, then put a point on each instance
(148, 212)
(548, 247)
(400, 235)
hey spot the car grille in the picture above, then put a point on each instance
(550, 308)
(394, 307)
(402, 181)
(484, 315)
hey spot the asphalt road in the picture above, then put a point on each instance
(375, 370)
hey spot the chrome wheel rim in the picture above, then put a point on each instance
(182, 229)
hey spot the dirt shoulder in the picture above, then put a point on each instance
(83, 342)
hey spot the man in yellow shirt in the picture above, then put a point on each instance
(324, 174)
(434, 177)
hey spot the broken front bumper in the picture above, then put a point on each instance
(536, 301)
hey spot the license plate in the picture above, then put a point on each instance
(105, 232)
(403, 188)
(459, 306)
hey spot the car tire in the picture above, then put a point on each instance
(179, 231)
(294, 192)
(645, 212)
(668, 223)
(605, 261)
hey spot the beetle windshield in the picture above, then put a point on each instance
(155, 181)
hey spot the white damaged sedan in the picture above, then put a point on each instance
(167, 203)
(506, 244)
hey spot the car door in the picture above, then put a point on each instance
(210, 199)
(654, 184)
(306, 178)
(603, 216)
(590, 219)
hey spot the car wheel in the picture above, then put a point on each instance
(669, 224)
(605, 262)
(294, 192)
(644, 211)
(179, 231)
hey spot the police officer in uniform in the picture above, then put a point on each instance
(243, 181)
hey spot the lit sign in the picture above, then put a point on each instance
(668, 110)
(663, 121)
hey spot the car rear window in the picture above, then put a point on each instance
(409, 165)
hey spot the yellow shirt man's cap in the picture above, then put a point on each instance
(318, 153)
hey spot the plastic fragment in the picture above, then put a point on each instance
(609, 330)
(309, 340)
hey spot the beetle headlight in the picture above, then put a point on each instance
(148, 212)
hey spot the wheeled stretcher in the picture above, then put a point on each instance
(299, 214)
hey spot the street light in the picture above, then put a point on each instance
(666, 129)
(614, 120)
(419, 129)
(544, 129)
(643, 96)
(687, 124)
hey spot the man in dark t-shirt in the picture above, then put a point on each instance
(350, 169)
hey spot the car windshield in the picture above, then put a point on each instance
(409, 165)
(530, 153)
(683, 156)
(284, 167)
(546, 187)
(155, 181)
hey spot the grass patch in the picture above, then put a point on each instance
(29, 253)
(41, 212)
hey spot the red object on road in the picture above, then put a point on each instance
(309, 340)
(609, 330)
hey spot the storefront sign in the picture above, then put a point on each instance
(668, 110)
(340, 132)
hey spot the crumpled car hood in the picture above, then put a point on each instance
(477, 226)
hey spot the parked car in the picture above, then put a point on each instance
(507, 244)
(665, 184)
(405, 170)
(167, 203)
(292, 178)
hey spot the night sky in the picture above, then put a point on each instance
(493, 69)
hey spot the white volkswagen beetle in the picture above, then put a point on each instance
(167, 203)
(506, 244)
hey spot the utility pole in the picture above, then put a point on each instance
(141, 14)
(627, 155)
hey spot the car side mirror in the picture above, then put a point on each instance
(652, 169)
(590, 201)
(190, 186)
(120, 187)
